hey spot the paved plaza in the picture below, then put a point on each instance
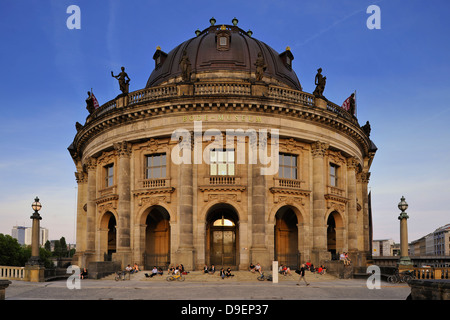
(198, 286)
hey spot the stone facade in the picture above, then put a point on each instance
(138, 204)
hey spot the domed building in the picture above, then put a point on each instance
(221, 159)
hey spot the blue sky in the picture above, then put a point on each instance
(400, 72)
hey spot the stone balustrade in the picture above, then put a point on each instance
(12, 273)
(218, 88)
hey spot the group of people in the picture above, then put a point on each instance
(284, 270)
(226, 273)
(179, 268)
(320, 270)
(155, 271)
(132, 269)
(210, 270)
(253, 268)
(222, 273)
(344, 257)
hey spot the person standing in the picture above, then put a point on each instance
(301, 272)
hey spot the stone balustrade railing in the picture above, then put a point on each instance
(287, 183)
(217, 88)
(155, 183)
(12, 273)
(432, 273)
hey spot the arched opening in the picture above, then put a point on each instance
(108, 235)
(112, 238)
(286, 238)
(157, 239)
(222, 236)
(335, 243)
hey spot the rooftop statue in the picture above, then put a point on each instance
(261, 66)
(185, 65)
(124, 81)
(90, 103)
(320, 82)
(366, 128)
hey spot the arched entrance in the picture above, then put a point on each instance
(222, 236)
(334, 235)
(286, 238)
(108, 235)
(157, 239)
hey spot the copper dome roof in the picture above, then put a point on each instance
(237, 53)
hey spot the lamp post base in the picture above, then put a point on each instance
(405, 263)
(35, 273)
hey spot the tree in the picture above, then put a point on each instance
(64, 250)
(11, 252)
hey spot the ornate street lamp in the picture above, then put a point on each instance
(35, 230)
(34, 265)
(405, 260)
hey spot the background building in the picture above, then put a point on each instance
(385, 248)
(436, 243)
(23, 235)
(161, 181)
(18, 232)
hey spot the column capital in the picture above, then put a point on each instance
(81, 177)
(91, 163)
(352, 163)
(123, 148)
(319, 148)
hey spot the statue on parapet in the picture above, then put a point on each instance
(261, 66)
(366, 128)
(320, 82)
(90, 103)
(124, 81)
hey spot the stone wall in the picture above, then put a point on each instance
(430, 289)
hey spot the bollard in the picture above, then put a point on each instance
(275, 272)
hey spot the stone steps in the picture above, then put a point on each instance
(199, 276)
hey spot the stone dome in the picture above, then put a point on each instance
(224, 52)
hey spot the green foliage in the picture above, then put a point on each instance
(11, 252)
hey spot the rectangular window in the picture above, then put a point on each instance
(334, 175)
(287, 166)
(222, 163)
(155, 166)
(223, 41)
(109, 175)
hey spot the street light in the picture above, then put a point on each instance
(405, 260)
(35, 230)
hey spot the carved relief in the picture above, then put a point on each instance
(336, 157)
(105, 158)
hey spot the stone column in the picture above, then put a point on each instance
(365, 176)
(81, 178)
(123, 253)
(319, 232)
(352, 167)
(259, 251)
(185, 252)
(91, 211)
